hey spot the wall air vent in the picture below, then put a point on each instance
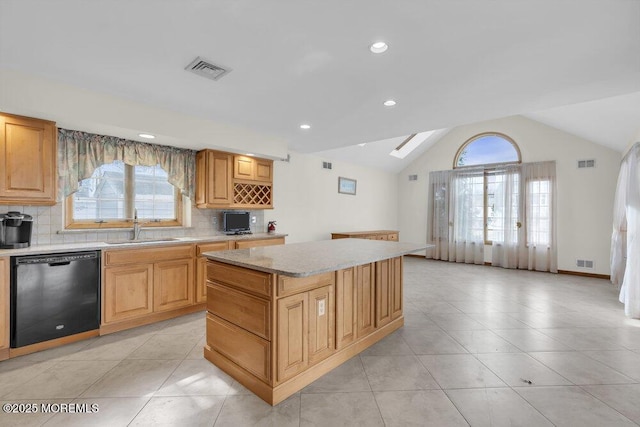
(584, 263)
(206, 69)
(326, 165)
(586, 163)
(413, 177)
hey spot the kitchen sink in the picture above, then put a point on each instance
(130, 242)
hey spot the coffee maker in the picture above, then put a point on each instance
(15, 230)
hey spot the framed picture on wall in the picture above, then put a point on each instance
(346, 186)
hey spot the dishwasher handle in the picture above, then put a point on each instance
(57, 259)
(55, 264)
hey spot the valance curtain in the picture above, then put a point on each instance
(523, 207)
(625, 245)
(81, 153)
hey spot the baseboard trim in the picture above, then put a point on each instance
(32, 348)
(416, 255)
(150, 318)
(582, 274)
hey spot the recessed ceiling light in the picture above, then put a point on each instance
(146, 135)
(249, 154)
(378, 47)
(362, 145)
(389, 103)
(305, 126)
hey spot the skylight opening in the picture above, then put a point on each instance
(410, 144)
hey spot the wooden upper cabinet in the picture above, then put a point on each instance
(27, 161)
(264, 170)
(225, 180)
(213, 179)
(244, 168)
(252, 169)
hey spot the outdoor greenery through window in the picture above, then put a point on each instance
(115, 191)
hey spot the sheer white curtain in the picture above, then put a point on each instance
(630, 289)
(438, 232)
(619, 234)
(507, 216)
(467, 210)
(539, 250)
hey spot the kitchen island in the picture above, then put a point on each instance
(280, 317)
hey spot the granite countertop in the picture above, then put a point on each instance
(122, 244)
(309, 258)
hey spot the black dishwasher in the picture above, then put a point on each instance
(53, 296)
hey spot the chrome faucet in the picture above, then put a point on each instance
(137, 227)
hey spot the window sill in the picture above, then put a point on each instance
(115, 230)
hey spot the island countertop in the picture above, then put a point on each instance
(310, 258)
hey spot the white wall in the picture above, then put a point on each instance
(78, 109)
(309, 207)
(585, 196)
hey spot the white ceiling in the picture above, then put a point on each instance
(450, 62)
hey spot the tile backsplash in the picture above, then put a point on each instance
(48, 226)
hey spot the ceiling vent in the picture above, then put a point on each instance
(206, 69)
(413, 177)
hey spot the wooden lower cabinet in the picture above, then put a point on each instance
(306, 330)
(310, 324)
(245, 244)
(128, 292)
(322, 326)
(247, 350)
(293, 327)
(172, 284)
(4, 308)
(141, 283)
(201, 266)
(346, 313)
(370, 235)
(388, 290)
(355, 303)
(365, 304)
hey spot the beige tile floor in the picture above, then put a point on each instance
(481, 346)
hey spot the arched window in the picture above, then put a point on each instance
(486, 149)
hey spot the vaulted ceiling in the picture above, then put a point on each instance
(449, 62)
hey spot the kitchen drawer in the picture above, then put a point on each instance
(246, 244)
(393, 237)
(292, 285)
(241, 347)
(213, 246)
(241, 309)
(252, 281)
(136, 256)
